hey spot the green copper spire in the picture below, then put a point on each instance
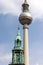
(18, 37)
(18, 40)
(18, 31)
(18, 52)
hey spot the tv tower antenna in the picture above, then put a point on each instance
(25, 19)
(25, 1)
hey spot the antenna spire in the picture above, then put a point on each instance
(25, 1)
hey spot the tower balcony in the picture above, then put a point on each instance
(25, 18)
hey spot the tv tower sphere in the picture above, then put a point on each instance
(25, 17)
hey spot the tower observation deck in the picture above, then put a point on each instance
(25, 19)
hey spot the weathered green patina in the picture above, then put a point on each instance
(18, 52)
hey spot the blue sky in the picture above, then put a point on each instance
(9, 13)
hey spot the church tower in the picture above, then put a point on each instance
(18, 52)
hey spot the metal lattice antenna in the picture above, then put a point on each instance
(25, 0)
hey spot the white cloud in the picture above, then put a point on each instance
(9, 6)
(6, 57)
(14, 7)
(37, 63)
(36, 7)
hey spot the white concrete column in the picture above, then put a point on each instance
(26, 46)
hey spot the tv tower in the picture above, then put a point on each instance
(25, 19)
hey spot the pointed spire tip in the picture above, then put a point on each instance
(25, 0)
(18, 28)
